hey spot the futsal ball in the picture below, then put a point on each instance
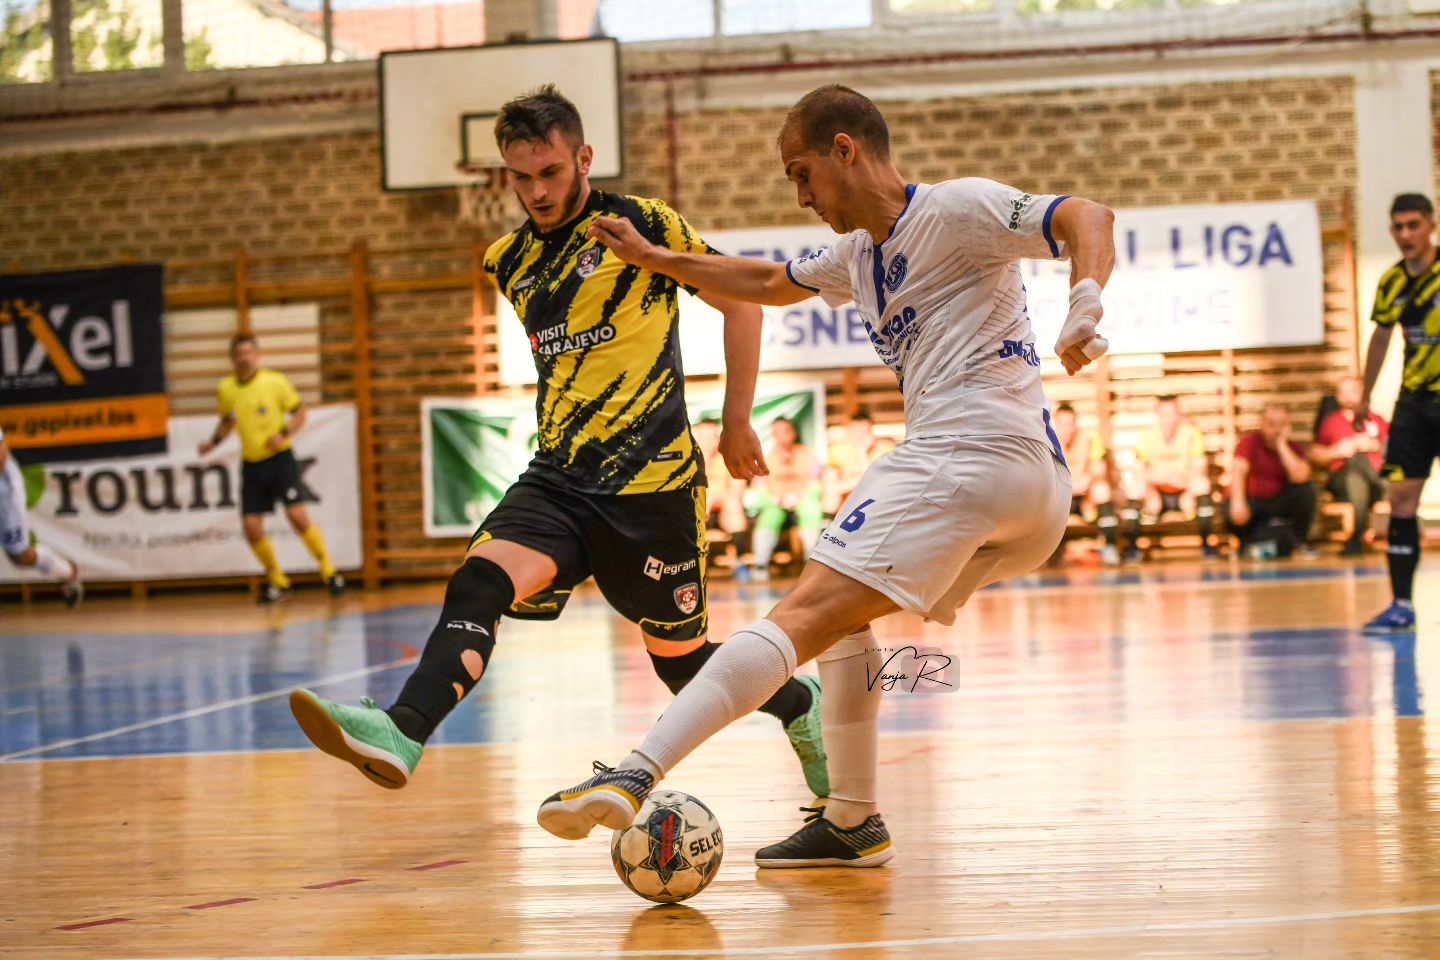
(672, 851)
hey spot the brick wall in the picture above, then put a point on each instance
(1133, 146)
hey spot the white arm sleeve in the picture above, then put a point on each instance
(826, 271)
(996, 223)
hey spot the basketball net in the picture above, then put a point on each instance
(485, 204)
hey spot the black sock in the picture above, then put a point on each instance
(1205, 517)
(792, 700)
(1131, 513)
(1404, 555)
(479, 592)
(1108, 523)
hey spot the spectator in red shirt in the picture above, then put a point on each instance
(1272, 501)
(1352, 447)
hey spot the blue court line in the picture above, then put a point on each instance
(202, 711)
(187, 643)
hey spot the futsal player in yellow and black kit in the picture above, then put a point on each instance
(1409, 298)
(617, 488)
(265, 408)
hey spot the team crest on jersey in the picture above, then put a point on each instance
(588, 260)
(526, 283)
(896, 274)
(687, 598)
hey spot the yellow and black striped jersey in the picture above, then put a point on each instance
(1413, 303)
(606, 340)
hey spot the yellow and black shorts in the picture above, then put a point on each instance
(1414, 436)
(647, 551)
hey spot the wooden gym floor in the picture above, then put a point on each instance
(1175, 761)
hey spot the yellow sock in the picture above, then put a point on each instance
(265, 552)
(314, 541)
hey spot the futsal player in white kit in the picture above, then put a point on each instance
(15, 531)
(977, 492)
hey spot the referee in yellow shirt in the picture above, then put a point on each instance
(257, 401)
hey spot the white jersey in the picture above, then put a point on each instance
(944, 303)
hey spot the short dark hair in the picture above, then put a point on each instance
(862, 414)
(531, 117)
(1065, 408)
(707, 420)
(240, 338)
(828, 111)
(1412, 203)
(1167, 398)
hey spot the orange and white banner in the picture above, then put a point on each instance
(177, 514)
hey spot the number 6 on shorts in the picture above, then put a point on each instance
(856, 519)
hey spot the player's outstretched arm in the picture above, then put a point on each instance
(735, 278)
(1088, 231)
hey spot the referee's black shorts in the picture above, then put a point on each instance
(1414, 436)
(264, 482)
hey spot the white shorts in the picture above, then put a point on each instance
(14, 532)
(938, 518)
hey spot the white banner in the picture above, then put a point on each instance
(178, 515)
(1186, 278)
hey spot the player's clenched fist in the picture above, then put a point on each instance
(1079, 343)
(622, 239)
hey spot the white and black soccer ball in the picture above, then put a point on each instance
(672, 851)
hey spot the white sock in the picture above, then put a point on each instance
(763, 544)
(740, 676)
(53, 565)
(849, 713)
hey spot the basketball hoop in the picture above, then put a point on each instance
(485, 204)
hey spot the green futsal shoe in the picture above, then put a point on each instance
(362, 736)
(805, 738)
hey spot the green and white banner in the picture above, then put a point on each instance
(475, 448)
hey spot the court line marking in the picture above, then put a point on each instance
(205, 710)
(1190, 926)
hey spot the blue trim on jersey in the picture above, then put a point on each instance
(909, 195)
(1054, 440)
(878, 255)
(1045, 225)
(791, 274)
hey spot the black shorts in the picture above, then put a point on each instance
(1170, 501)
(1414, 436)
(647, 551)
(263, 482)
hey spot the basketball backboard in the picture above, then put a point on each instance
(438, 107)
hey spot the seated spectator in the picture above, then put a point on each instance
(849, 458)
(1090, 478)
(1272, 501)
(1352, 448)
(1171, 474)
(725, 496)
(790, 492)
